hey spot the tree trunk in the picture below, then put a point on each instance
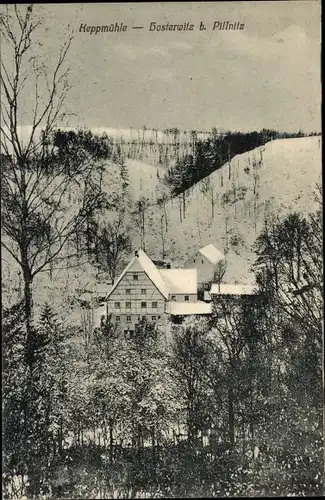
(111, 443)
(166, 221)
(184, 204)
(153, 441)
(231, 417)
(143, 234)
(28, 308)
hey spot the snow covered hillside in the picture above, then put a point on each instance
(276, 178)
(143, 179)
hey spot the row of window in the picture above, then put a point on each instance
(144, 291)
(129, 319)
(201, 261)
(154, 305)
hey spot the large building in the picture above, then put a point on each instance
(149, 290)
(143, 290)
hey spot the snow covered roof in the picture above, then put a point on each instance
(188, 308)
(103, 289)
(224, 289)
(180, 280)
(141, 261)
(211, 253)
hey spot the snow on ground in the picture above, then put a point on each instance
(144, 179)
(276, 178)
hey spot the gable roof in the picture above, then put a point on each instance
(211, 253)
(180, 280)
(232, 289)
(141, 261)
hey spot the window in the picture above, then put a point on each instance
(143, 304)
(186, 298)
(135, 277)
(158, 317)
(202, 261)
(153, 318)
(173, 297)
(128, 319)
(143, 291)
(117, 305)
(143, 318)
(155, 305)
(118, 319)
(194, 261)
(128, 305)
(128, 291)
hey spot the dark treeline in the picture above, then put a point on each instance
(232, 406)
(210, 154)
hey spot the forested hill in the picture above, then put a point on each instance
(230, 206)
(214, 151)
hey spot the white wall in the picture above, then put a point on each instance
(204, 268)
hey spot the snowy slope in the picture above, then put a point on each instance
(276, 178)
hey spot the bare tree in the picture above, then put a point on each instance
(51, 180)
(208, 190)
(225, 200)
(162, 234)
(233, 324)
(141, 208)
(114, 244)
(162, 200)
(219, 272)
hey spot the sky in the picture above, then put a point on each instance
(266, 75)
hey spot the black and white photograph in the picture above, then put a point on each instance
(161, 250)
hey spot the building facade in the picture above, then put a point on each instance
(205, 260)
(144, 291)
